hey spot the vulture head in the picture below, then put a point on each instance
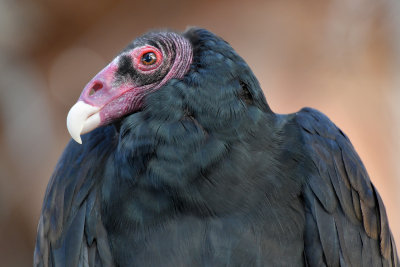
(148, 64)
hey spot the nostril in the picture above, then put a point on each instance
(96, 87)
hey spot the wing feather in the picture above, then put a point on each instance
(346, 222)
(70, 231)
(328, 236)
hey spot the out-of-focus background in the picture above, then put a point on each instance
(339, 56)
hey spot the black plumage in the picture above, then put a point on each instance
(205, 174)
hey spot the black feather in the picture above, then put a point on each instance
(205, 174)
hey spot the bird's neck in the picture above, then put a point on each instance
(179, 155)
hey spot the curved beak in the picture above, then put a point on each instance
(82, 118)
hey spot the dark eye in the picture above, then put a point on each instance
(149, 58)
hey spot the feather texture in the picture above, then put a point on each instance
(344, 206)
(205, 174)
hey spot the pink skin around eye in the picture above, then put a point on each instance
(137, 55)
(101, 89)
(109, 96)
(102, 92)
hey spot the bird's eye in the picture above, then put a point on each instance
(149, 58)
(146, 58)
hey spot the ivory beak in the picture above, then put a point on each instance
(82, 118)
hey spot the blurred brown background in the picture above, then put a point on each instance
(339, 56)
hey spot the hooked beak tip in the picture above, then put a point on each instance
(82, 118)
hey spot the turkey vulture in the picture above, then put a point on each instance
(185, 164)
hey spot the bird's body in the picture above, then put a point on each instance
(203, 173)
